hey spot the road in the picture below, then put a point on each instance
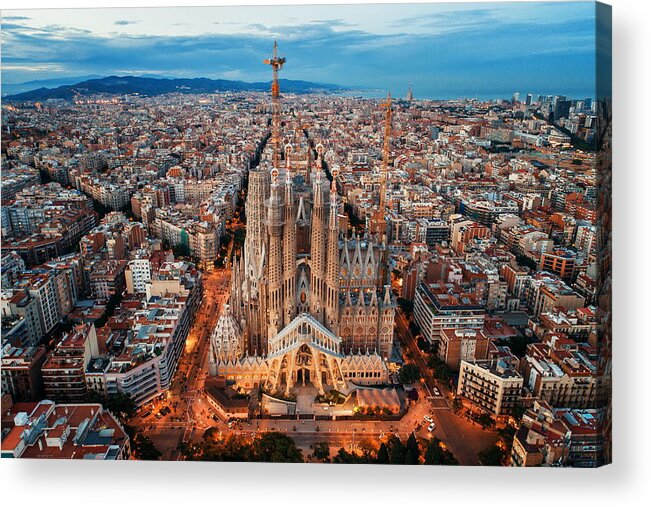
(190, 415)
(188, 418)
(463, 438)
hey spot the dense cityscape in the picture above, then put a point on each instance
(250, 276)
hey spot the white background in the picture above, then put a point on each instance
(627, 481)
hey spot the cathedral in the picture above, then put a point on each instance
(308, 304)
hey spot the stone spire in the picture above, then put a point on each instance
(318, 250)
(255, 253)
(225, 341)
(275, 268)
(332, 259)
(289, 251)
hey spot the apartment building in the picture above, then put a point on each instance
(493, 386)
(442, 306)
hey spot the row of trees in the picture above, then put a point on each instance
(271, 447)
(392, 451)
(440, 370)
(409, 373)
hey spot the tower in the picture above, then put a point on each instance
(317, 249)
(410, 94)
(332, 259)
(289, 250)
(255, 254)
(275, 279)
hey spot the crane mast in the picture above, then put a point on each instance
(276, 63)
(385, 153)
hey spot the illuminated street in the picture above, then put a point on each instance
(187, 419)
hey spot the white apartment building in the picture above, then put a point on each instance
(137, 275)
(492, 386)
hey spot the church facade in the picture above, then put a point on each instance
(308, 304)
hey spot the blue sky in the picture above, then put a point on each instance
(446, 50)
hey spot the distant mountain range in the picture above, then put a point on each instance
(148, 86)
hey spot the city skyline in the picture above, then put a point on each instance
(195, 275)
(445, 51)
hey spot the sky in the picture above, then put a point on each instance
(488, 50)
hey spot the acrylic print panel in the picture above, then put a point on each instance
(342, 234)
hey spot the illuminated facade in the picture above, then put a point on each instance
(307, 303)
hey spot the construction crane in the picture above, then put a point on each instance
(379, 219)
(386, 151)
(276, 63)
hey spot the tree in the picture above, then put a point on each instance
(517, 411)
(413, 328)
(506, 435)
(397, 450)
(413, 451)
(423, 344)
(409, 374)
(322, 452)
(383, 454)
(344, 456)
(493, 456)
(240, 235)
(276, 448)
(440, 370)
(210, 434)
(406, 306)
(119, 404)
(485, 420)
(437, 455)
(144, 449)
(410, 459)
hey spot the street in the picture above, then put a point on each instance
(189, 415)
(463, 438)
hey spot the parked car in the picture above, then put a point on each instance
(431, 427)
(428, 419)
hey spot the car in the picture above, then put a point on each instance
(231, 424)
(431, 427)
(436, 391)
(428, 419)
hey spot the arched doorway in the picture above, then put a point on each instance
(303, 376)
(304, 365)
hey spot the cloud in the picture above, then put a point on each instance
(479, 50)
(15, 18)
(123, 22)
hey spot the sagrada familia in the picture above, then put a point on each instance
(308, 304)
